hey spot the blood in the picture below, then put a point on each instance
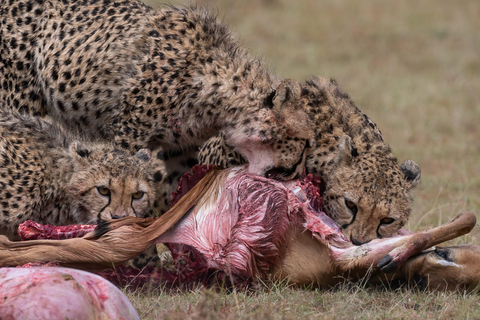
(30, 230)
(312, 186)
(188, 270)
(188, 181)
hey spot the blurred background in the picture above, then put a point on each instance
(412, 66)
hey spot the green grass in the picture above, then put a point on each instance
(414, 68)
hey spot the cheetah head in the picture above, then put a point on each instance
(277, 139)
(368, 194)
(107, 183)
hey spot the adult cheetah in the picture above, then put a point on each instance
(169, 79)
(366, 192)
(51, 177)
(165, 79)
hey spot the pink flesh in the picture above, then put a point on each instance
(241, 231)
(30, 230)
(60, 293)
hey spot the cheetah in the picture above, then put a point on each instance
(49, 176)
(166, 80)
(366, 192)
(170, 79)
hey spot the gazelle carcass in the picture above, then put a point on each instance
(250, 227)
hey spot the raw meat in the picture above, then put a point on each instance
(30, 230)
(243, 224)
(60, 293)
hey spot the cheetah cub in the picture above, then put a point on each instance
(46, 175)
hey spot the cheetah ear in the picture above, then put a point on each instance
(412, 172)
(80, 154)
(346, 151)
(287, 92)
(144, 155)
(78, 150)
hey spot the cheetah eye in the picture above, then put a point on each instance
(387, 221)
(138, 195)
(351, 206)
(104, 191)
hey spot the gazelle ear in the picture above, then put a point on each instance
(144, 154)
(346, 151)
(287, 92)
(412, 172)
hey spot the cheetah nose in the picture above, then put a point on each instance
(116, 216)
(357, 242)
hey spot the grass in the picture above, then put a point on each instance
(414, 68)
(283, 302)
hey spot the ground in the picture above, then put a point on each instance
(413, 68)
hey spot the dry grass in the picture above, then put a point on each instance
(413, 67)
(283, 302)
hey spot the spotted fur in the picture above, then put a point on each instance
(366, 192)
(166, 80)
